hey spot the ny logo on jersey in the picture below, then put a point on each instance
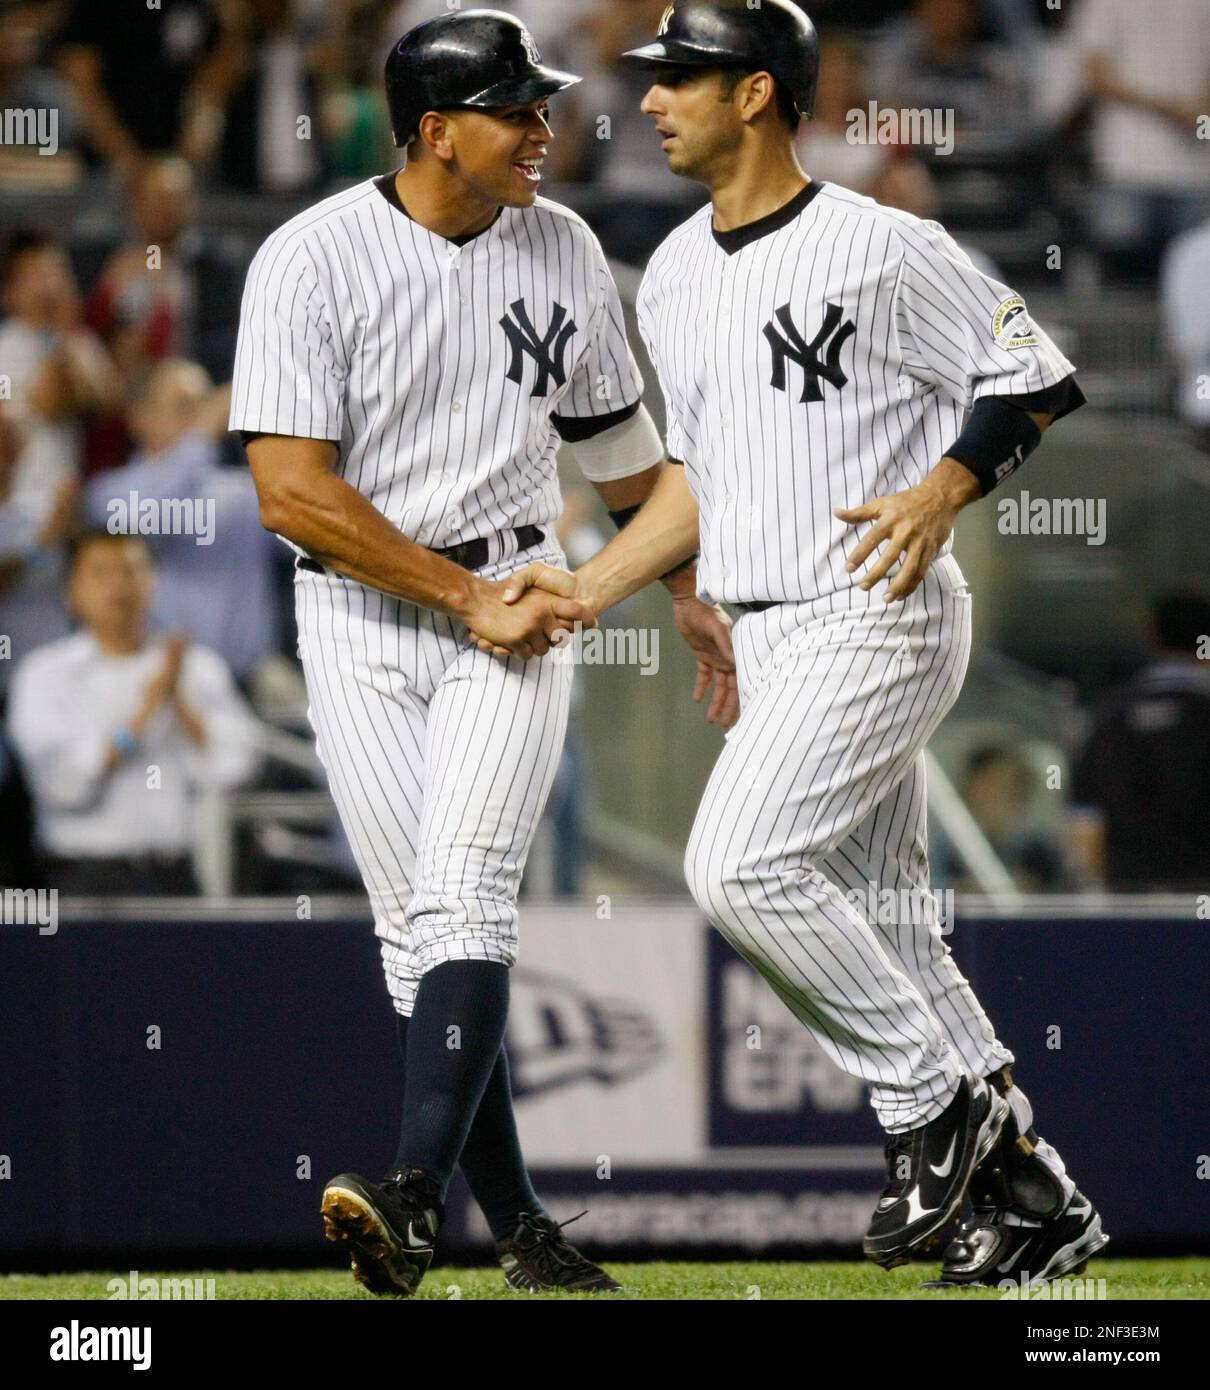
(548, 352)
(806, 354)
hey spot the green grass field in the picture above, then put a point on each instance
(1124, 1279)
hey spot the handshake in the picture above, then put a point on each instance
(527, 613)
(537, 608)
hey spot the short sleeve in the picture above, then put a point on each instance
(962, 331)
(606, 385)
(289, 374)
(674, 430)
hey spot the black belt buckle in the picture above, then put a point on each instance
(473, 555)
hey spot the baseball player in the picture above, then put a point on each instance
(818, 355)
(411, 353)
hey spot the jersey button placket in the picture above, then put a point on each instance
(720, 313)
(458, 331)
(456, 305)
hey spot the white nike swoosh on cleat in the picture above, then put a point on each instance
(915, 1210)
(947, 1167)
(414, 1244)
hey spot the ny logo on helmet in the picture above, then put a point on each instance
(548, 352)
(531, 48)
(806, 355)
(665, 21)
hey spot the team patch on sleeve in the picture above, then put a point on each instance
(1012, 326)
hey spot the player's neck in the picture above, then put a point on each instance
(441, 204)
(759, 182)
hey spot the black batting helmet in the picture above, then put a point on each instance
(774, 36)
(479, 58)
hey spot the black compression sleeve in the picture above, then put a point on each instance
(997, 440)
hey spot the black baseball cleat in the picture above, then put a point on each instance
(929, 1169)
(986, 1251)
(389, 1227)
(1060, 1234)
(537, 1257)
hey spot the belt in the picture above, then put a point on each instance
(760, 607)
(471, 555)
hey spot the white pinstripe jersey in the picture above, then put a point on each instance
(816, 359)
(446, 373)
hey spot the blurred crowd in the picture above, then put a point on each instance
(1083, 126)
(1094, 109)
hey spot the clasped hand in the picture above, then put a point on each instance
(507, 620)
(542, 602)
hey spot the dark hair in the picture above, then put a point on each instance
(93, 535)
(18, 243)
(1179, 618)
(786, 108)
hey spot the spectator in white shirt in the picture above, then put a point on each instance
(117, 734)
(833, 145)
(1147, 69)
(1185, 295)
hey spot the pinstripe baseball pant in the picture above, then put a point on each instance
(817, 798)
(440, 759)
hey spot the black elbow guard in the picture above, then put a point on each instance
(624, 516)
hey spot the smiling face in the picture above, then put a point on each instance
(496, 154)
(109, 586)
(700, 125)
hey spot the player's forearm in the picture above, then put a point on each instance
(625, 497)
(663, 535)
(954, 482)
(346, 533)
